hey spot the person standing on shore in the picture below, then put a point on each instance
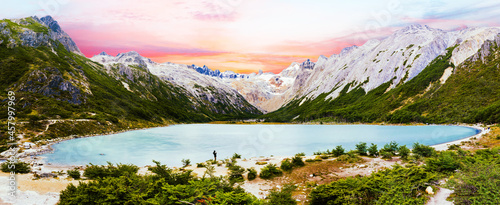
(215, 155)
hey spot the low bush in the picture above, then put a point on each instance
(338, 151)
(252, 173)
(270, 171)
(297, 161)
(17, 167)
(236, 174)
(361, 148)
(302, 154)
(283, 196)
(398, 185)
(446, 162)
(478, 181)
(404, 152)
(386, 154)
(423, 150)
(75, 174)
(373, 150)
(286, 165)
(236, 156)
(186, 162)
(100, 171)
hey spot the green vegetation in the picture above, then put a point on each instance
(361, 148)
(338, 151)
(398, 185)
(478, 181)
(252, 173)
(100, 171)
(186, 162)
(373, 150)
(163, 187)
(283, 196)
(17, 167)
(270, 171)
(423, 150)
(75, 174)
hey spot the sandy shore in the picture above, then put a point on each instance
(444, 146)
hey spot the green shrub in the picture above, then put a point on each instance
(339, 150)
(282, 197)
(297, 161)
(350, 157)
(286, 165)
(236, 173)
(361, 148)
(186, 162)
(75, 174)
(386, 154)
(392, 147)
(17, 167)
(454, 147)
(445, 162)
(236, 156)
(101, 171)
(162, 172)
(270, 171)
(398, 185)
(373, 150)
(423, 150)
(301, 154)
(404, 152)
(477, 182)
(252, 173)
(200, 165)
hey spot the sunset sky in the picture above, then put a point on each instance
(244, 35)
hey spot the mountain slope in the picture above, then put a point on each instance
(205, 91)
(440, 93)
(52, 80)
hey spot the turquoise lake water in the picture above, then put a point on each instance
(196, 142)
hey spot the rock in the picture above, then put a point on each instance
(56, 33)
(429, 190)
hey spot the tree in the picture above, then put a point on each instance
(392, 147)
(373, 150)
(297, 161)
(423, 150)
(338, 151)
(361, 148)
(404, 152)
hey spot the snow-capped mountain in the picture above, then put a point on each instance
(204, 87)
(397, 58)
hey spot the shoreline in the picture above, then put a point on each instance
(444, 146)
(34, 157)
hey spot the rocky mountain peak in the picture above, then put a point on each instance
(103, 54)
(308, 64)
(56, 33)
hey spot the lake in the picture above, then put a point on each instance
(196, 142)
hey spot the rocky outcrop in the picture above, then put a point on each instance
(57, 34)
(486, 49)
(50, 82)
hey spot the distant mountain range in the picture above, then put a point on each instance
(417, 74)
